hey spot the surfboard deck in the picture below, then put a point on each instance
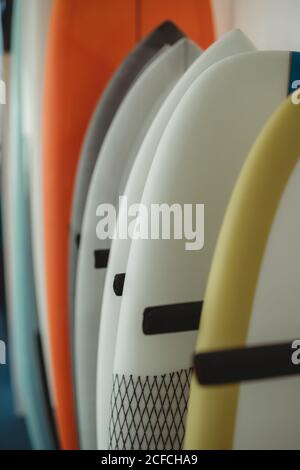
(134, 65)
(13, 433)
(109, 102)
(196, 19)
(24, 318)
(113, 165)
(67, 109)
(34, 46)
(197, 162)
(78, 66)
(234, 42)
(108, 105)
(271, 172)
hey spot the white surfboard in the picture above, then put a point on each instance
(197, 162)
(33, 77)
(6, 175)
(111, 171)
(164, 35)
(232, 43)
(25, 329)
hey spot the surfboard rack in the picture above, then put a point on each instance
(173, 318)
(245, 364)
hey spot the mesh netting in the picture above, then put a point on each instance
(148, 413)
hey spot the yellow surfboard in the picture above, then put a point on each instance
(245, 390)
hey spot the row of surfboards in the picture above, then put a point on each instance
(103, 333)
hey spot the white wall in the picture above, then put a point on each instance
(270, 24)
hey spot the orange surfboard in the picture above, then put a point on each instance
(87, 41)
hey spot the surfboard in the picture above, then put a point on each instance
(78, 66)
(74, 28)
(7, 211)
(25, 323)
(232, 43)
(112, 168)
(244, 358)
(197, 162)
(124, 77)
(13, 433)
(196, 20)
(34, 47)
